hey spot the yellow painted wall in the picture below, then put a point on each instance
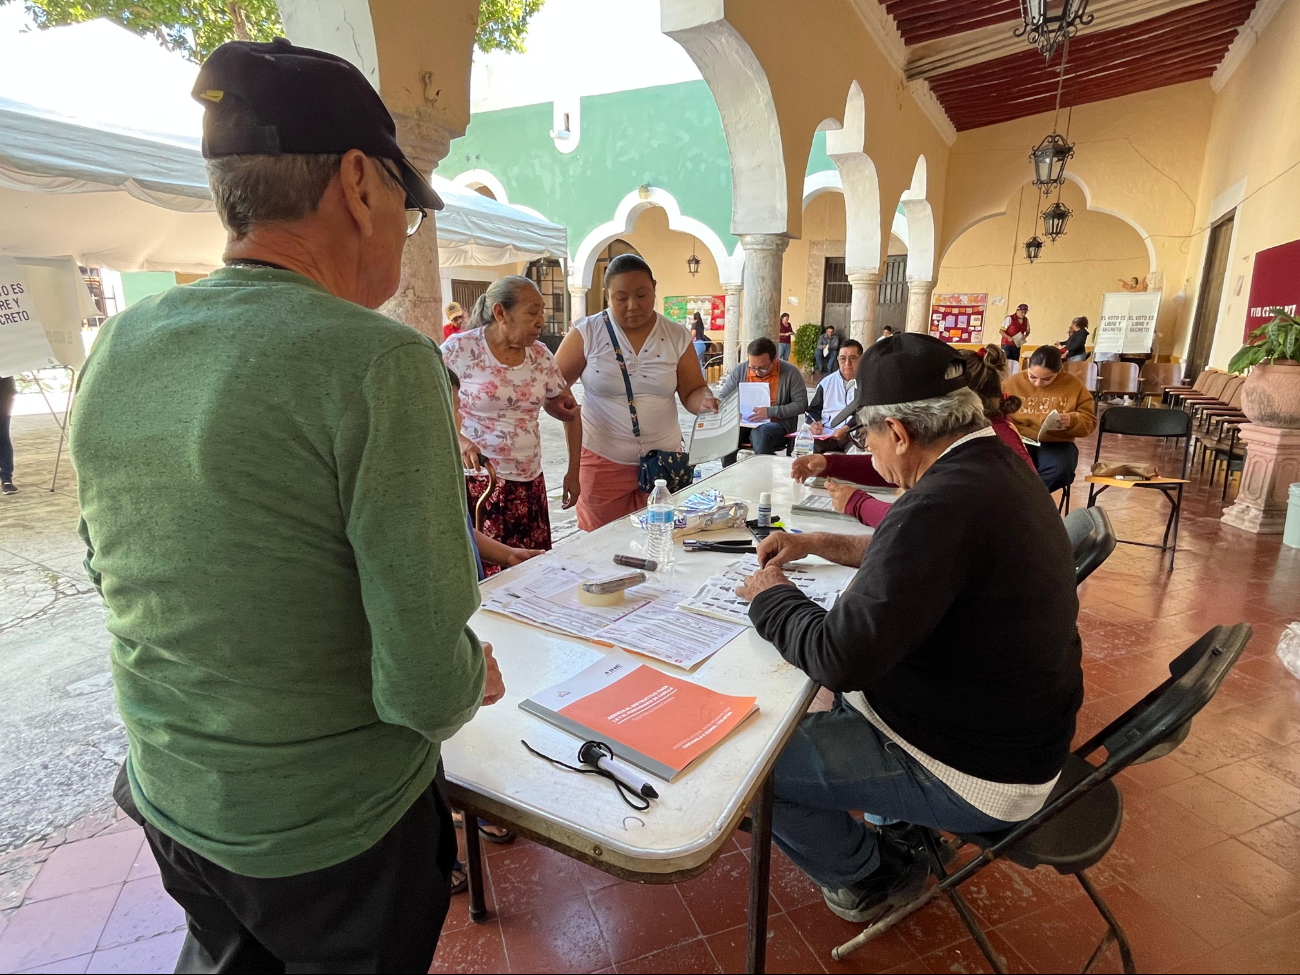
(1140, 156)
(804, 260)
(1096, 251)
(666, 251)
(1255, 137)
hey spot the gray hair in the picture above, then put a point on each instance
(506, 292)
(252, 190)
(929, 420)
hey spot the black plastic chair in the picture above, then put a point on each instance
(1133, 421)
(1081, 818)
(1093, 539)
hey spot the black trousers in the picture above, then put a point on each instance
(381, 911)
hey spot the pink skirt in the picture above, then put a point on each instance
(609, 491)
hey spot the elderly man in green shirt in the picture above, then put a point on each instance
(274, 509)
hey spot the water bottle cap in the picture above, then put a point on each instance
(660, 480)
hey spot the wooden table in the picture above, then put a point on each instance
(489, 772)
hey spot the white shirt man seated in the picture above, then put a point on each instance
(834, 393)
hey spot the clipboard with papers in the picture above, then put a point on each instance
(715, 435)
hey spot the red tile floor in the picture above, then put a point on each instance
(1205, 874)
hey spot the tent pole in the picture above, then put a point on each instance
(62, 425)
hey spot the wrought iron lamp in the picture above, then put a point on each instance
(693, 262)
(1050, 157)
(1055, 218)
(1048, 23)
(1033, 248)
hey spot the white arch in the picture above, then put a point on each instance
(899, 230)
(860, 183)
(920, 226)
(827, 181)
(759, 196)
(1087, 200)
(472, 179)
(625, 216)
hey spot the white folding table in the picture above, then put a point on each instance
(490, 773)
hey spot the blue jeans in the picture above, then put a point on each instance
(766, 438)
(783, 351)
(700, 346)
(7, 392)
(837, 761)
(1056, 462)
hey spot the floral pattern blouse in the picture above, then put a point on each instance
(500, 404)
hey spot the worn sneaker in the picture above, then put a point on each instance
(911, 836)
(898, 880)
(8, 487)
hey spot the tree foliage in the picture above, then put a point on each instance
(197, 27)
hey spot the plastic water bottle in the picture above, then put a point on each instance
(803, 442)
(659, 523)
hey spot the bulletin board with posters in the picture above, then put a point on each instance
(712, 308)
(958, 318)
(1274, 283)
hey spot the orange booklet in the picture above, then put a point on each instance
(651, 720)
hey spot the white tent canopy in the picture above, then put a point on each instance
(74, 179)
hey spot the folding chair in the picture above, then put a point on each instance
(1093, 539)
(1133, 421)
(1081, 818)
(1119, 379)
(1157, 377)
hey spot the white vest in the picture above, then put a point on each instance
(836, 394)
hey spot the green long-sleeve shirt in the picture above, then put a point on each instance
(274, 508)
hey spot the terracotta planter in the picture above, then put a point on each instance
(1271, 394)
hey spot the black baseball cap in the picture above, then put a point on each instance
(278, 98)
(903, 369)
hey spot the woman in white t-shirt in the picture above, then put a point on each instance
(662, 366)
(507, 377)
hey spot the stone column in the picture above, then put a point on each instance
(761, 311)
(918, 306)
(731, 329)
(577, 302)
(862, 312)
(1272, 465)
(418, 301)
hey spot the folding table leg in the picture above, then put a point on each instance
(760, 873)
(474, 869)
(1178, 510)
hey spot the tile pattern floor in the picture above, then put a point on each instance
(1205, 875)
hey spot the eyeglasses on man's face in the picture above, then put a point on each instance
(414, 214)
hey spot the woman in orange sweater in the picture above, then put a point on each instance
(1042, 388)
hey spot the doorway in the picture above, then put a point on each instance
(837, 296)
(1213, 275)
(597, 297)
(465, 293)
(891, 295)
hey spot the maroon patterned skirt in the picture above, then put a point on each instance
(515, 513)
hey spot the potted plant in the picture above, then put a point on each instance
(1271, 394)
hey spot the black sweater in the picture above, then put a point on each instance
(960, 624)
(1075, 343)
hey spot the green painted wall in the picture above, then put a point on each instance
(818, 161)
(142, 284)
(669, 136)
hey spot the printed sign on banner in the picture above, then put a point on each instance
(1274, 283)
(682, 309)
(1128, 322)
(958, 317)
(23, 343)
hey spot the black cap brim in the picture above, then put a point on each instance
(419, 192)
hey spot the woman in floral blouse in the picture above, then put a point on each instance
(507, 377)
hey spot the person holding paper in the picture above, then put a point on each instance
(766, 427)
(274, 513)
(1042, 388)
(1073, 348)
(953, 710)
(834, 393)
(1014, 331)
(828, 348)
(662, 368)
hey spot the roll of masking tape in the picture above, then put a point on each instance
(599, 598)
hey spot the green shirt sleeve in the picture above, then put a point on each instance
(402, 491)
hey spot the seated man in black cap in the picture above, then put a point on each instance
(953, 709)
(274, 508)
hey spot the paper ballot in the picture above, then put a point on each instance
(752, 397)
(714, 435)
(1050, 422)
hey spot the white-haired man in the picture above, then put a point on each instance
(954, 709)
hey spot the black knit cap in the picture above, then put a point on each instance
(903, 369)
(278, 98)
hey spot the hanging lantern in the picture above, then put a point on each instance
(1048, 23)
(693, 262)
(1050, 157)
(1055, 218)
(1033, 247)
